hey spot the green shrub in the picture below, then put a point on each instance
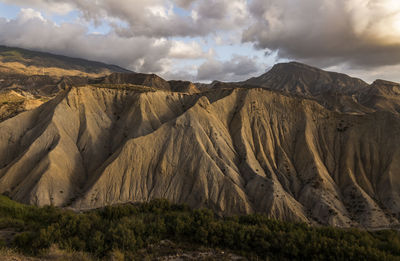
(122, 230)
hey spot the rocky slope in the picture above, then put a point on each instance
(233, 149)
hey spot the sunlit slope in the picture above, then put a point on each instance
(241, 150)
(26, 62)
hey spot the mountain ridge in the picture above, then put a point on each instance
(292, 146)
(295, 77)
(168, 130)
(20, 61)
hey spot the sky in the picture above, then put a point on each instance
(206, 40)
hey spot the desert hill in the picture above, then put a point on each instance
(279, 144)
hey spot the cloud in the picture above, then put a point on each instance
(27, 14)
(207, 17)
(142, 54)
(184, 3)
(31, 30)
(182, 50)
(325, 33)
(154, 18)
(353, 36)
(55, 7)
(236, 69)
(369, 74)
(179, 75)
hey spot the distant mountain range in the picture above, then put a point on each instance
(297, 143)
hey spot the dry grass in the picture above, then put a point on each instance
(8, 254)
(127, 86)
(53, 254)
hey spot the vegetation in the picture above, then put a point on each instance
(125, 86)
(125, 229)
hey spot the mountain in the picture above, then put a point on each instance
(278, 144)
(297, 78)
(382, 95)
(335, 91)
(29, 78)
(21, 61)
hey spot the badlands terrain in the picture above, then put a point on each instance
(297, 143)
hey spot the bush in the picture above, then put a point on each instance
(3, 243)
(120, 231)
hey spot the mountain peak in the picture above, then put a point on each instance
(380, 82)
(294, 66)
(298, 78)
(296, 69)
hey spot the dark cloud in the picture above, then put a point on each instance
(325, 33)
(207, 16)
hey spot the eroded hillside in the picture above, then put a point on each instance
(234, 150)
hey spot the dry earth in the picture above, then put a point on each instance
(306, 145)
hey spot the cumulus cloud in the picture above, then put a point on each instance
(357, 32)
(183, 50)
(236, 69)
(155, 18)
(142, 39)
(207, 16)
